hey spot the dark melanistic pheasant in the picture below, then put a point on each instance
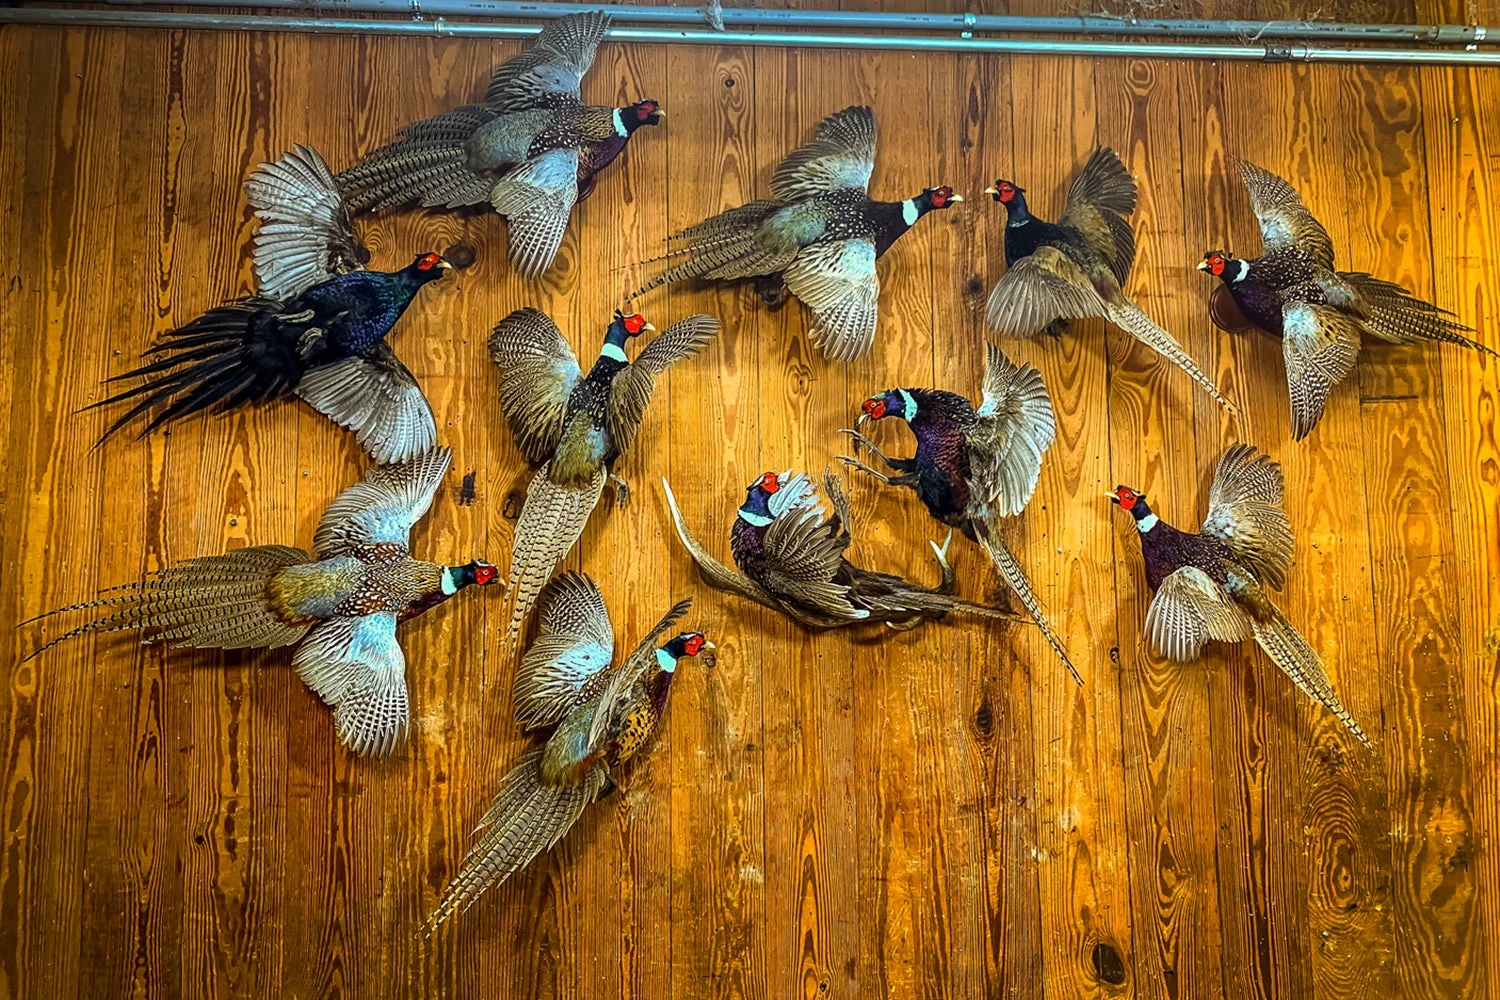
(316, 326)
(532, 150)
(339, 604)
(1213, 585)
(603, 716)
(975, 466)
(1076, 267)
(574, 425)
(792, 560)
(1292, 291)
(819, 233)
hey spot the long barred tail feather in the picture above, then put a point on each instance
(552, 519)
(1402, 318)
(1289, 651)
(526, 819)
(1015, 578)
(208, 602)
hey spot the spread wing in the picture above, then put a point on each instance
(630, 393)
(804, 551)
(376, 396)
(305, 237)
(1101, 195)
(1189, 609)
(537, 373)
(356, 666)
(1245, 513)
(1015, 428)
(840, 155)
(1320, 346)
(574, 644)
(714, 573)
(837, 281)
(384, 507)
(640, 660)
(1038, 289)
(553, 64)
(537, 197)
(1284, 221)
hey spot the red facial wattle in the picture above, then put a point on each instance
(874, 408)
(428, 261)
(485, 574)
(769, 483)
(645, 110)
(634, 323)
(693, 645)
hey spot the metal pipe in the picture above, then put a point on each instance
(1098, 24)
(1013, 46)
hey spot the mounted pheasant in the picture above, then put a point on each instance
(532, 150)
(339, 604)
(818, 235)
(316, 326)
(575, 426)
(1292, 291)
(603, 717)
(1076, 268)
(974, 466)
(1213, 585)
(792, 561)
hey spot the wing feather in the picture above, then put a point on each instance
(384, 507)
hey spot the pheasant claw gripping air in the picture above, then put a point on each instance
(791, 558)
(315, 328)
(974, 465)
(1215, 584)
(339, 604)
(574, 426)
(600, 716)
(532, 150)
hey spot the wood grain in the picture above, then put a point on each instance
(939, 813)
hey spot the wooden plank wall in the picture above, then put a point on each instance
(939, 813)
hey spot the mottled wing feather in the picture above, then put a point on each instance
(376, 396)
(1320, 346)
(305, 236)
(553, 64)
(714, 573)
(355, 665)
(1101, 194)
(1284, 221)
(537, 197)
(1015, 427)
(1038, 289)
(1190, 608)
(803, 552)
(641, 659)
(630, 393)
(837, 281)
(1245, 513)
(575, 643)
(537, 373)
(384, 507)
(840, 155)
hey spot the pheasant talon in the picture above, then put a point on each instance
(855, 463)
(861, 440)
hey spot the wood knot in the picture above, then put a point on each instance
(984, 720)
(1108, 968)
(460, 255)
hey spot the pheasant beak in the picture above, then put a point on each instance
(445, 265)
(953, 199)
(1112, 498)
(992, 192)
(648, 326)
(1203, 265)
(864, 418)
